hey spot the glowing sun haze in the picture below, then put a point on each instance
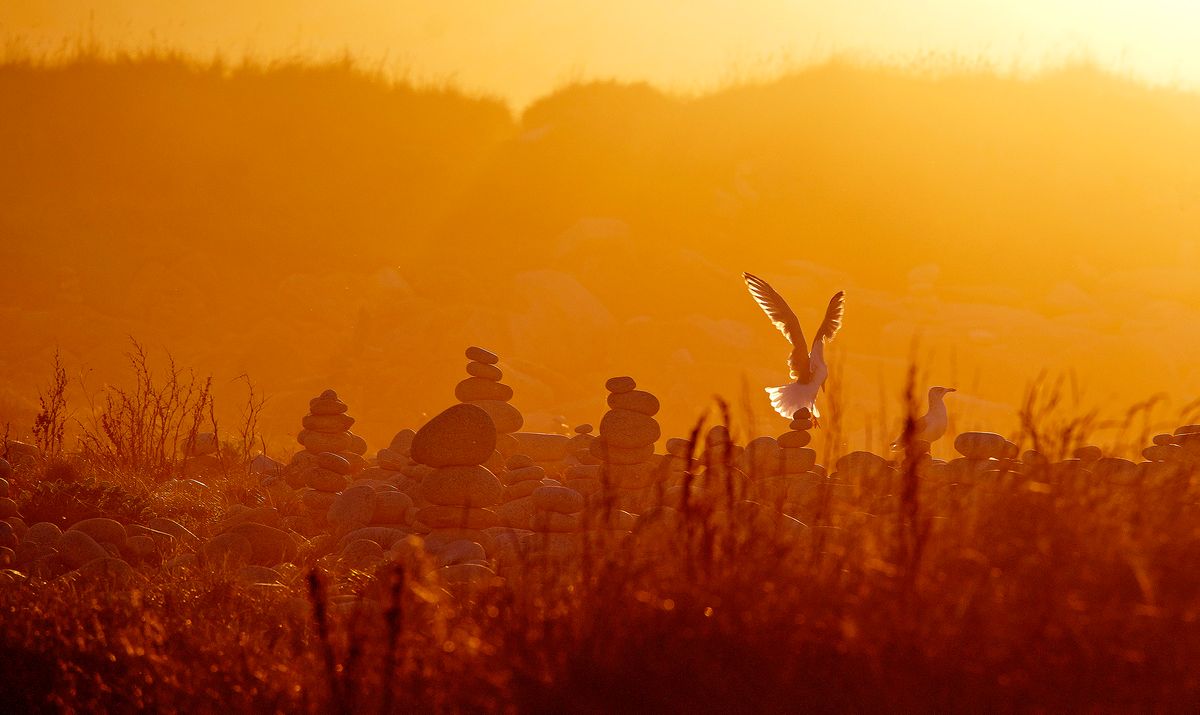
(520, 49)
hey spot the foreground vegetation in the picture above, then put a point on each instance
(1004, 584)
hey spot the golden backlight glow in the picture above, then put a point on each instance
(302, 195)
(316, 226)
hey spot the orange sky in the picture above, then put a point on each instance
(521, 49)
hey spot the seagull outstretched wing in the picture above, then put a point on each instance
(784, 318)
(833, 317)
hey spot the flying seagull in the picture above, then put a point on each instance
(931, 426)
(807, 370)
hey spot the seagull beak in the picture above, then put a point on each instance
(951, 389)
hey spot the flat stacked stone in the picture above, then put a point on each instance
(521, 478)
(982, 453)
(583, 469)
(547, 450)
(459, 491)
(484, 389)
(556, 522)
(628, 432)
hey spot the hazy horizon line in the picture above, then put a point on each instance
(928, 64)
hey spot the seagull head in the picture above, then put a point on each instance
(940, 391)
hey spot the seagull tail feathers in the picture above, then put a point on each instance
(788, 399)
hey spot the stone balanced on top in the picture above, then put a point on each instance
(628, 432)
(483, 388)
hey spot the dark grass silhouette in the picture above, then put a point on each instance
(1030, 587)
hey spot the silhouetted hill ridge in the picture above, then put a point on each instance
(357, 230)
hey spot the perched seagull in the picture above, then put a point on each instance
(808, 370)
(932, 425)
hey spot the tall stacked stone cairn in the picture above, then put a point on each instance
(556, 523)
(583, 468)
(521, 478)
(459, 492)
(483, 388)
(628, 432)
(579, 446)
(783, 471)
(1171, 458)
(332, 455)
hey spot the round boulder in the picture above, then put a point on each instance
(558, 499)
(354, 507)
(8, 507)
(635, 400)
(461, 552)
(391, 507)
(456, 517)
(626, 428)
(981, 445)
(227, 550)
(77, 548)
(462, 486)
(102, 530)
(461, 435)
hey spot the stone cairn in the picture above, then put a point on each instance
(583, 467)
(556, 522)
(484, 389)
(332, 455)
(628, 432)
(783, 471)
(1172, 457)
(522, 477)
(458, 494)
(579, 446)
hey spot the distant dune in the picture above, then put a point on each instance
(315, 227)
